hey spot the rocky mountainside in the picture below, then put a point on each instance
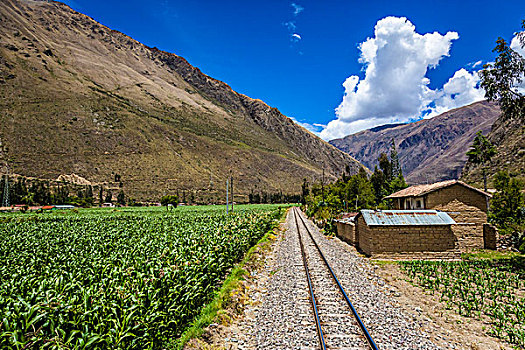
(429, 150)
(78, 97)
(509, 138)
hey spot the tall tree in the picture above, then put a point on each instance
(378, 184)
(508, 201)
(305, 190)
(386, 167)
(481, 151)
(109, 197)
(394, 161)
(501, 79)
(100, 196)
(121, 198)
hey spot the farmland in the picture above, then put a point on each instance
(489, 289)
(133, 278)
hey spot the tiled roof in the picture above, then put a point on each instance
(420, 190)
(406, 217)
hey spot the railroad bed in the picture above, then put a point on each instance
(280, 315)
(338, 324)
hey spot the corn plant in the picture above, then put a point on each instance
(494, 288)
(123, 280)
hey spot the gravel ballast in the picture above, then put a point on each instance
(279, 314)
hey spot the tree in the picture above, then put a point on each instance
(386, 167)
(394, 161)
(398, 183)
(507, 203)
(109, 197)
(169, 199)
(501, 78)
(378, 184)
(481, 152)
(121, 198)
(361, 191)
(305, 191)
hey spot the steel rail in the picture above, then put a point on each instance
(354, 311)
(312, 296)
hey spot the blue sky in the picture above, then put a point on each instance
(296, 55)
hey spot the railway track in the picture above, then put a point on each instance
(337, 322)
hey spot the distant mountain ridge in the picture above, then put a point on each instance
(430, 150)
(78, 97)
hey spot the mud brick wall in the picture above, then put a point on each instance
(469, 235)
(456, 198)
(374, 240)
(467, 208)
(346, 232)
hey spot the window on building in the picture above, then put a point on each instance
(418, 204)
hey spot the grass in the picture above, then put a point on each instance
(230, 290)
(490, 254)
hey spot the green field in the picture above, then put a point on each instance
(491, 288)
(126, 278)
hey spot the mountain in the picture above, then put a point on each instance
(508, 136)
(430, 150)
(78, 97)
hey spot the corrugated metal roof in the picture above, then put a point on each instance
(406, 217)
(420, 190)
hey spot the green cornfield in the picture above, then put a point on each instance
(492, 290)
(129, 279)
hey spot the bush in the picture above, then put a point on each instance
(169, 199)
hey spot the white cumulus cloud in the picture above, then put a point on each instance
(460, 90)
(395, 87)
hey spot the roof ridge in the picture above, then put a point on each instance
(422, 189)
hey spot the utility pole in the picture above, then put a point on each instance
(227, 187)
(5, 197)
(231, 184)
(322, 185)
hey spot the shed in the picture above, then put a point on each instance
(406, 233)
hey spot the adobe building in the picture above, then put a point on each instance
(465, 204)
(346, 228)
(406, 234)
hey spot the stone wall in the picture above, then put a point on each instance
(374, 240)
(346, 232)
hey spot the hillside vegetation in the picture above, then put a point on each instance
(78, 97)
